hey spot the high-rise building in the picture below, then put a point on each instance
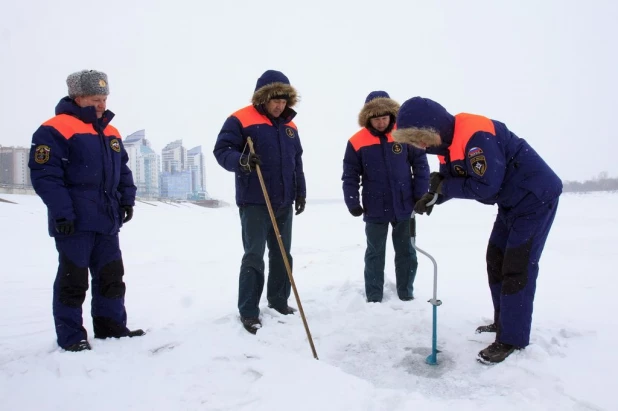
(14, 166)
(196, 164)
(174, 157)
(144, 163)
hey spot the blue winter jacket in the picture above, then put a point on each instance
(482, 159)
(277, 143)
(393, 176)
(78, 166)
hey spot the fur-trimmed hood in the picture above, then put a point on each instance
(378, 103)
(422, 120)
(271, 84)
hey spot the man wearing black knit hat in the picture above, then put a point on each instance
(268, 121)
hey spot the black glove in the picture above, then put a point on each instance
(435, 183)
(249, 162)
(413, 227)
(64, 226)
(421, 205)
(299, 204)
(357, 211)
(127, 213)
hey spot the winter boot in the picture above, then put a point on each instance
(136, 333)
(130, 334)
(79, 346)
(495, 353)
(251, 324)
(491, 328)
(285, 311)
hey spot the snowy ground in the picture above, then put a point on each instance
(181, 274)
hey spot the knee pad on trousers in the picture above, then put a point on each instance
(73, 283)
(495, 259)
(110, 280)
(515, 268)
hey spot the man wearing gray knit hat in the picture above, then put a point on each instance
(79, 169)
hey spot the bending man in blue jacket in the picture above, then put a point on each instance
(268, 121)
(393, 177)
(481, 159)
(79, 169)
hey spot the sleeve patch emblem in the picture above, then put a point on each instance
(460, 170)
(41, 154)
(115, 145)
(479, 165)
(397, 149)
(290, 132)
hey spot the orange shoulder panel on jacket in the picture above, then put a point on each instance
(291, 124)
(68, 126)
(249, 116)
(363, 138)
(466, 125)
(111, 131)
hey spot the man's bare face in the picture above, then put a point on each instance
(276, 106)
(99, 102)
(380, 123)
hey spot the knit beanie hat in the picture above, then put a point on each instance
(274, 84)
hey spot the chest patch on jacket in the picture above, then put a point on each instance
(290, 132)
(41, 154)
(115, 145)
(397, 149)
(479, 165)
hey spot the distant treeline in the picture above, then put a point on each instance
(600, 183)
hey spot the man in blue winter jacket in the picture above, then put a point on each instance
(394, 176)
(481, 159)
(278, 152)
(79, 169)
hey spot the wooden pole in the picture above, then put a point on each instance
(283, 253)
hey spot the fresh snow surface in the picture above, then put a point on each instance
(182, 262)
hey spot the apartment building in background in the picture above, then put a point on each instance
(197, 165)
(145, 165)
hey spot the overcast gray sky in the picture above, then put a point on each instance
(547, 68)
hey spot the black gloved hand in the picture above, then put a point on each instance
(435, 183)
(413, 227)
(254, 160)
(127, 213)
(64, 226)
(421, 205)
(357, 211)
(249, 162)
(299, 204)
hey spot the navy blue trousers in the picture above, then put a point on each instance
(257, 232)
(100, 254)
(513, 255)
(405, 259)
